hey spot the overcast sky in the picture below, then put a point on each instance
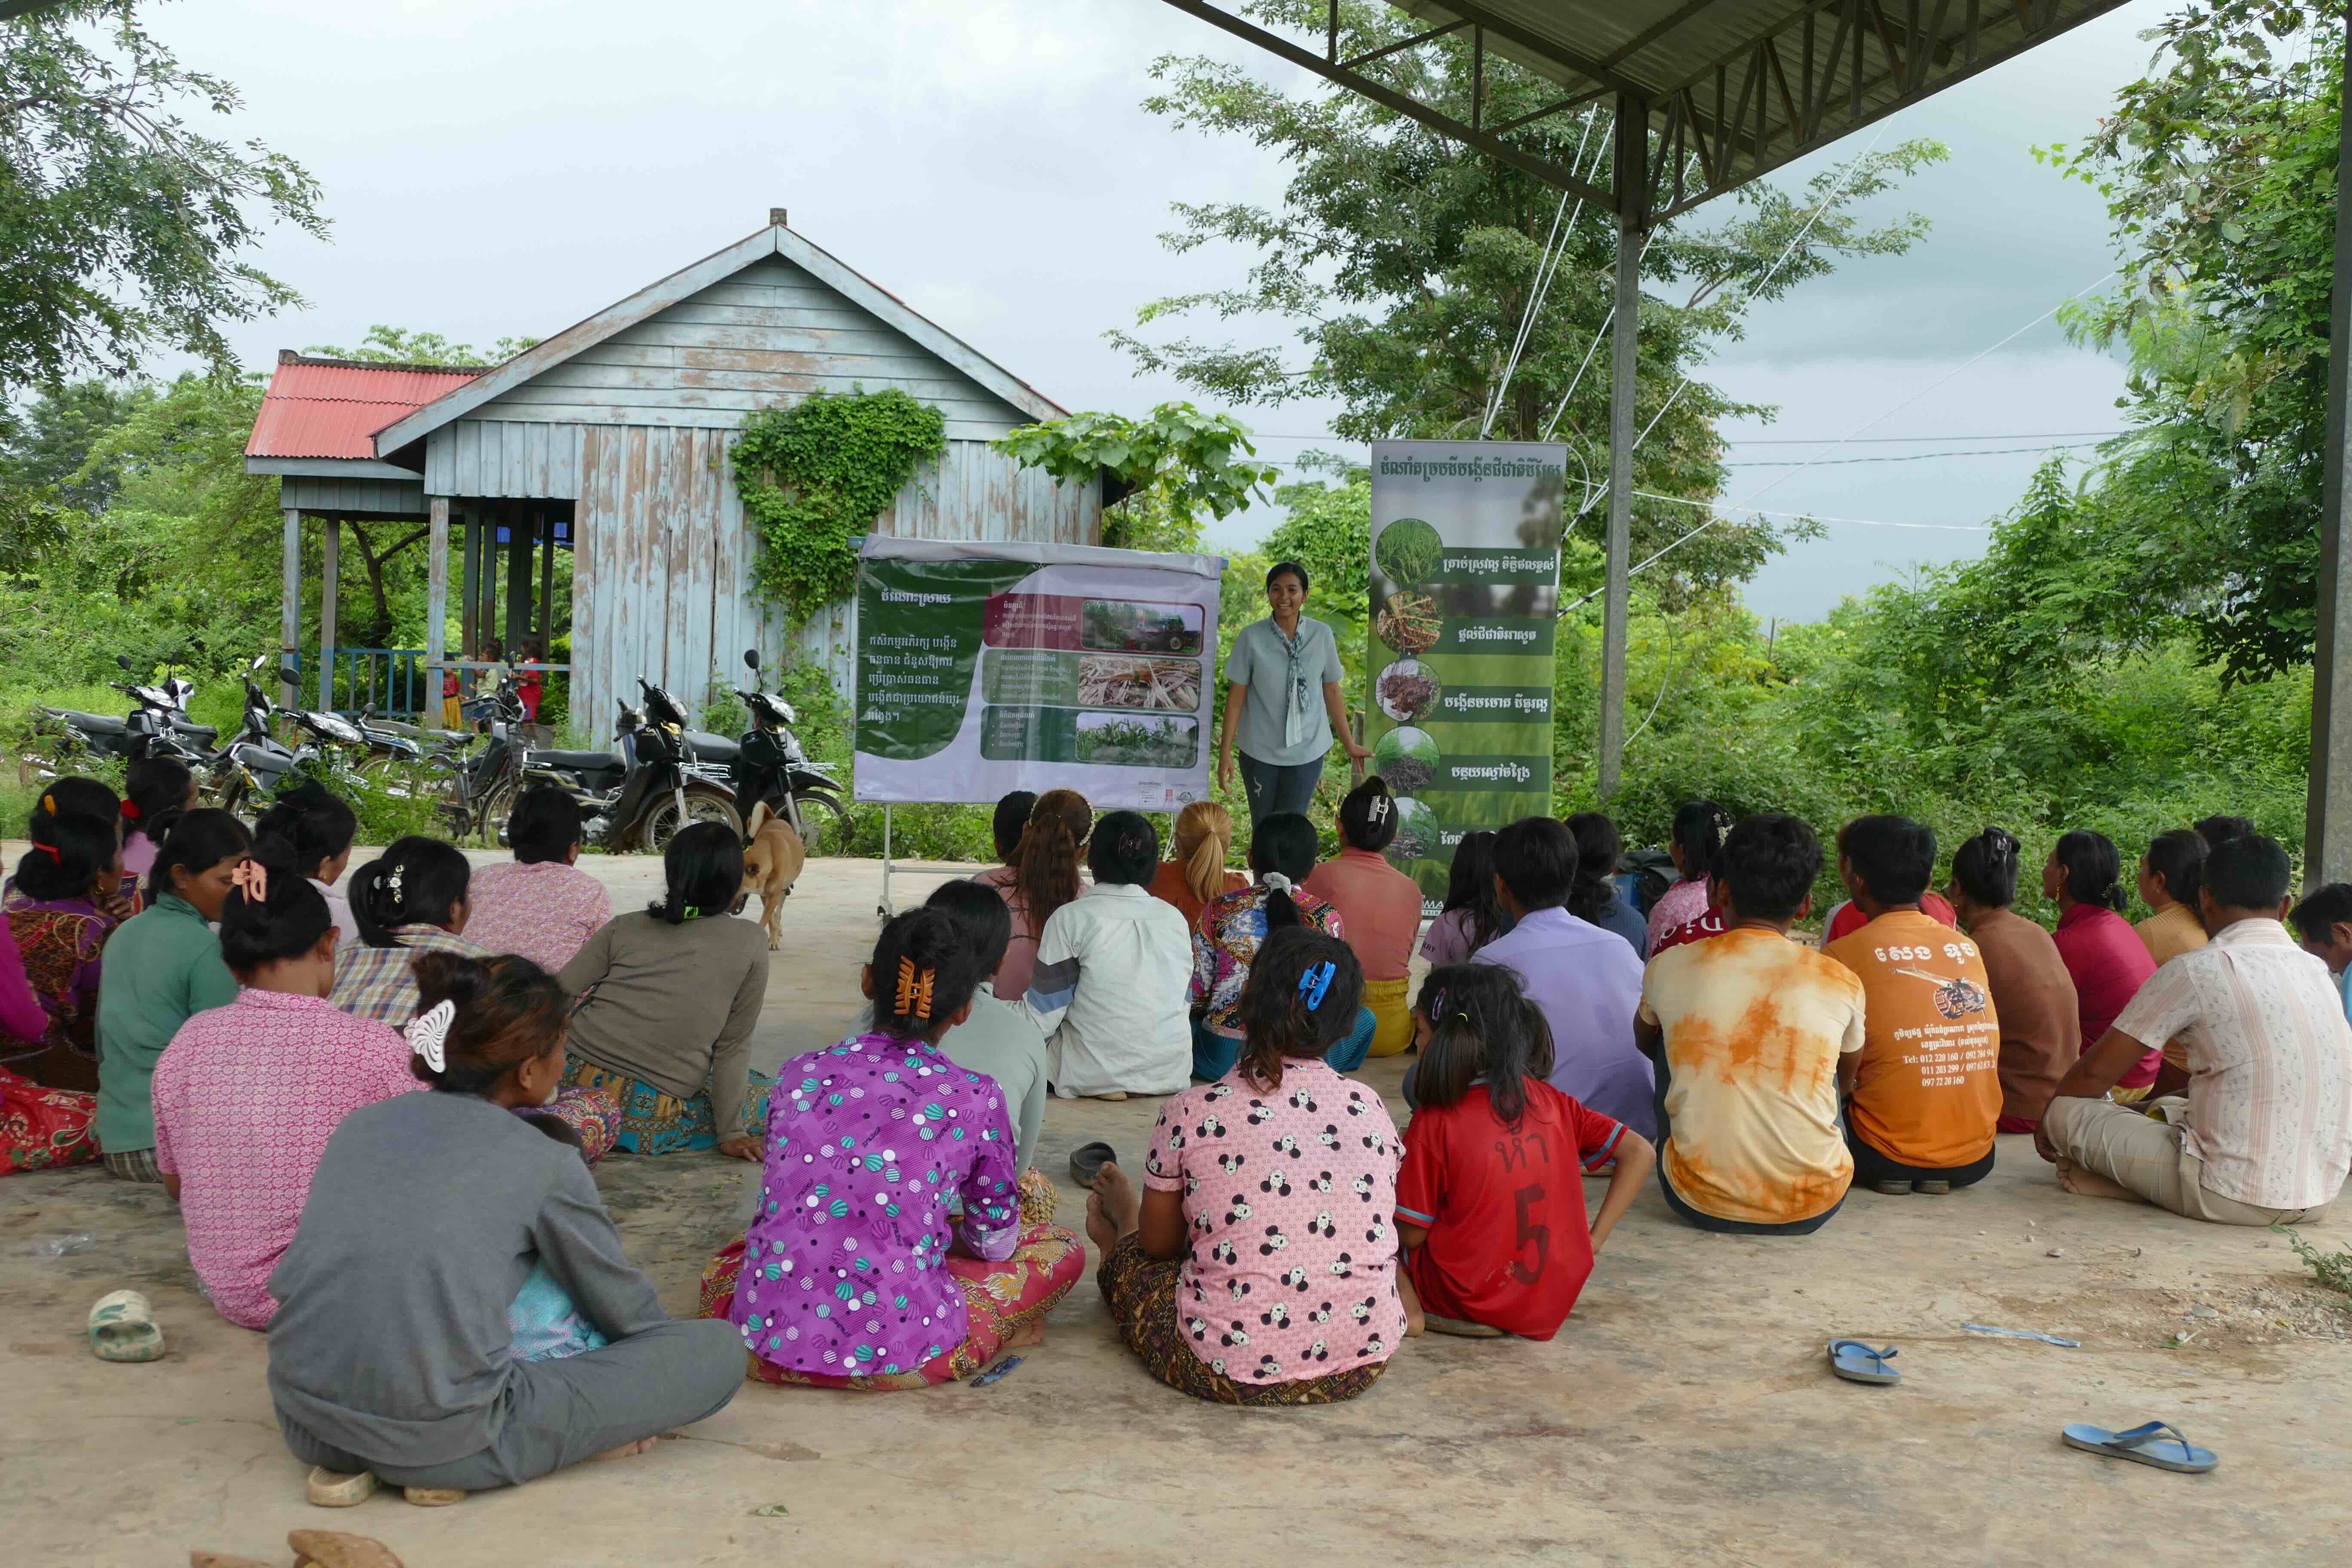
(509, 169)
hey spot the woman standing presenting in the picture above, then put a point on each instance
(1271, 676)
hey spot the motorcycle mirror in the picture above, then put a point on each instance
(289, 674)
(258, 661)
(750, 656)
(123, 660)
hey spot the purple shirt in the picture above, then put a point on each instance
(866, 1142)
(1587, 983)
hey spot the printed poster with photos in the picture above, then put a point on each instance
(984, 669)
(1465, 586)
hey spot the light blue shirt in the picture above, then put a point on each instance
(1587, 983)
(2343, 987)
(1261, 661)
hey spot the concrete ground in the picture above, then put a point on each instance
(1683, 1414)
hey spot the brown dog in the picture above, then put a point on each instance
(772, 864)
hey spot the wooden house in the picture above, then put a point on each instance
(610, 439)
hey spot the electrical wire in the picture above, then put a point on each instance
(1545, 274)
(1907, 456)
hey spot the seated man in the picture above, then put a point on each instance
(2267, 1134)
(1747, 1029)
(1583, 978)
(2324, 921)
(1926, 1090)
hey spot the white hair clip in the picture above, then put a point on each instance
(1275, 881)
(428, 1034)
(1377, 811)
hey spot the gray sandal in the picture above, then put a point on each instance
(1087, 1162)
(1857, 1363)
(2158, 1443)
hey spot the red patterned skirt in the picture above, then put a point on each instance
(40, 1128)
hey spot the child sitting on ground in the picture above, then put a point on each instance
(545, 1323)
(1492, 1228)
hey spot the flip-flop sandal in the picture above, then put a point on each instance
(334, 1549)
(434, 1496)
(1462, 1328)
(1087, 1162)
(122, 1328)
(1857, 1363)
(2158, 1443)
(334, 1488)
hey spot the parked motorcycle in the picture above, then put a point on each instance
(249, 771)
(660, 777)
(770, 765)
(158, 725)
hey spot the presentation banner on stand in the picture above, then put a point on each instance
(1465, 586)
(984, 669)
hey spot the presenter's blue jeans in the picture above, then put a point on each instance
(1273, 790)
(1213, 1053)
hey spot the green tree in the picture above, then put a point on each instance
(122, 226)
(45, 451)
(1174, 465)
(402, 345)
(1329, 531)
(1402, 264)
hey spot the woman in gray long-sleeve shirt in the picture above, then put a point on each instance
(390, 1354)
(668, 1001)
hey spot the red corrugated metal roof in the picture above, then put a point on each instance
(332, 408)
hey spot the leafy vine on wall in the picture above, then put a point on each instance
(814, 476)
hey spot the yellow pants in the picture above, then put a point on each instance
(1392, 1015)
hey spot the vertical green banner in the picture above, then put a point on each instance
(1465, 589)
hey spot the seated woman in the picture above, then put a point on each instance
(2169, 875)
(390, 1353)
(1004, 827)
(246, 1095)
(1595, 899)
(999, 1038)
(413, 899)
(1486, 1167)
(2032, 994)
(1473, 914)
(1258, 1265)
(1234, 927)
(1697, 834)
(540, 904)
(1045, 877)
(1195, 872)
(2103, 955)
(318, 829)
(156, 792)
(39, 1127)
(1379, 908)
(668, 997)
(852, 1274)
(58, 916)
(162, 966)
(1109, 988)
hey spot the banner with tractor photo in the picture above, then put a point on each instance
(984, 669)
(1465, 585)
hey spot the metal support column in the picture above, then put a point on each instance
(289, 613)
(519, 537)
(330, 558)
(542, 625)
(2328, 820)
(1630, 181)
(436, 602)
(469, 589)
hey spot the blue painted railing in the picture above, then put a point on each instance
(395, 681)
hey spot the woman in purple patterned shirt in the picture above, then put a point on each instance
(856, 1273)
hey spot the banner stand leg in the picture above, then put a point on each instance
(883, 908)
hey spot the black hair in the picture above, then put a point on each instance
(2092, 865)
(1698, 830)
(199, 840)
(154, 793)
(314, 826)
(555, 1127)
(285, 923)
(2178, 856)
(509, 1011)
(1284, 845)
(1536, 858)
(415, 881)
(1470, 885)
(1767, 864)
(1367, 816)
(1012, 817)
(1985, 868)
(1125, 848)
(702, 873)
(1481, 1024)
(1597, 849)
(1893, 855)
(544, 825)
(76, 797)
(1289, 569)
(2217, 830)
(68, 852)
(2248, 873)
(2322, 909)
(980, 915)
(924, 970)
(1277, 1021)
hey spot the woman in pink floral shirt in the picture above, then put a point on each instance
(246, 1096)
(539, 905)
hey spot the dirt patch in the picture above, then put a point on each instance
(2221, 1316)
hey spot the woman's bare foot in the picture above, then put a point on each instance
(1034, 1334)
(1416, 1322)
(642, 1445)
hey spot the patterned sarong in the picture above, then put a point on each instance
(42, 1128)
(653, 1123)
(1142, 1298)
(591, 1113)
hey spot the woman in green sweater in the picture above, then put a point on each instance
(161, 966)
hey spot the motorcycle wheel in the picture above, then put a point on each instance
(825, 824)
(704, 803)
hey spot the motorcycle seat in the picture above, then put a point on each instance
(204, 734)
(89, 723)
(711, 748)
(581, 760)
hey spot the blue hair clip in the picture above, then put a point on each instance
(1314, 983)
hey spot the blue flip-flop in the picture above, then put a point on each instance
(2158, 1443)
(1857, 1363)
